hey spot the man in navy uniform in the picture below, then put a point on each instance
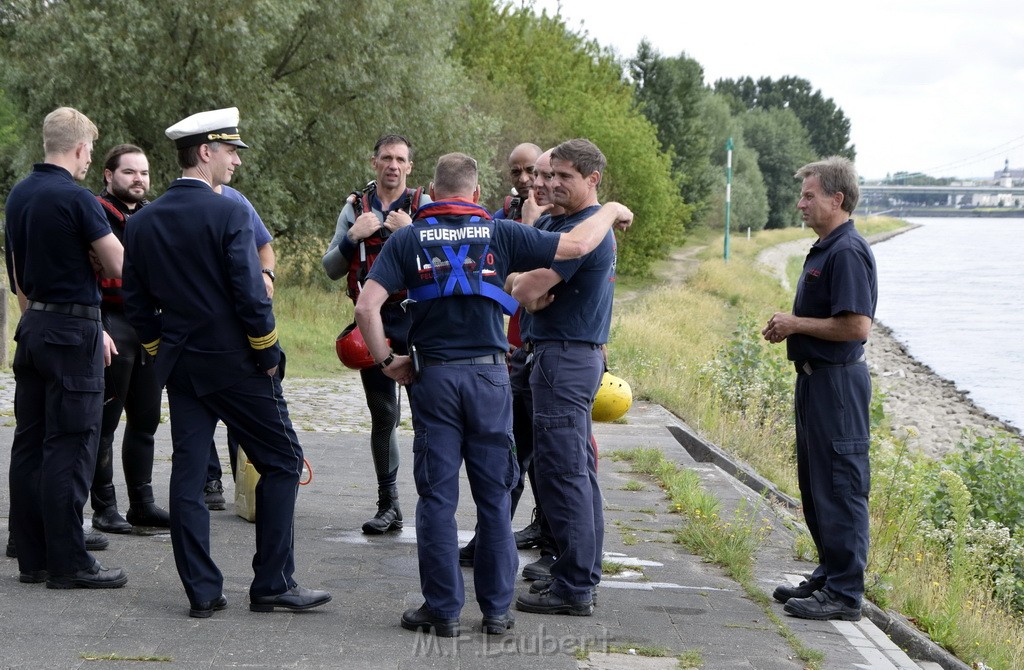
(52, 226)
(825, 335)
(571, 310)
(212, 331)
(453, 260)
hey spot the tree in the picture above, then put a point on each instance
(782, 148)
(749, 208)
(827, 127)
(316, 83)
(575, 88)
(670, 92)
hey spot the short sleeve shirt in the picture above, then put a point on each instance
(259, 228)
(51, 225)
(839, 275)
(461, 326)
(582, 308)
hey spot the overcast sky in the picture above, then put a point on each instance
(933, 86)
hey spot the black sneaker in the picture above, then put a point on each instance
(498, 625)
(547, 602)
(214, 495)
(784, 592)
(545, 584)
(421, 619)
(821, 606)
(539, 569)
(529, 537)
(467, 554)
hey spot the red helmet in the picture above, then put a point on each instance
(351, 348)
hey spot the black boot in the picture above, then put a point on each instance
(109, 520)
(389, 514)
(142, 510)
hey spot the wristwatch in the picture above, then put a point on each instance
(270, 273)
(387, 361)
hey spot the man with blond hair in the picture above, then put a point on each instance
(53, 226)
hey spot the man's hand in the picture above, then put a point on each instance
(269, 283)
(532, 211)
(366, 224)
(397, 219)
(401, 370)
(624, 219)
(271, 371)
(109, 349)
(540, 303)
(779, 327)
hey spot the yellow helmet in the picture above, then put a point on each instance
(613, 400)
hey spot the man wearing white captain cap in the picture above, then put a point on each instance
(212, 331)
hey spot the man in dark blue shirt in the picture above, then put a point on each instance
(825, 335)
(214, 338)
(53, 225)
(571, 305)
(454, 260)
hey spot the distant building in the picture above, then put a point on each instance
(1005, 178)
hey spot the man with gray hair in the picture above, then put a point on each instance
(825, 335)
(53, 226)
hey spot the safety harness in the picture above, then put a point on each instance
(110, 287)
(455, 238)
(369, 248)
(513, 208)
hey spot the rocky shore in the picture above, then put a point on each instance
(930, 410)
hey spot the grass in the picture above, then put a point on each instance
(729, 544)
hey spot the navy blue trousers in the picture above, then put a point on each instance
(565, 379)
(464, 412)
(58, 406)
(254, 409)
(832, 439)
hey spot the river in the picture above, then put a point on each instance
(950, 292)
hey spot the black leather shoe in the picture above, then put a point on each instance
(784, 592)
(96, 577)
(95, 540)
(148, 515)
(422, 619)
(296, 598)
(467, 554)
(539, 569)
(547, 602)
(821, 606)
(108, 520)
(34, 577)
(205, 610)
(545, 584)
(213, 494)
(498, 625)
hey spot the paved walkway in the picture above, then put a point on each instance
(665, 598)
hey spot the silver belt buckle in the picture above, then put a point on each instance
(808, 370)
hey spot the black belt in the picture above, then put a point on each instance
(490, 359)
(809, 366)
(565, 344)
(69, 308)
